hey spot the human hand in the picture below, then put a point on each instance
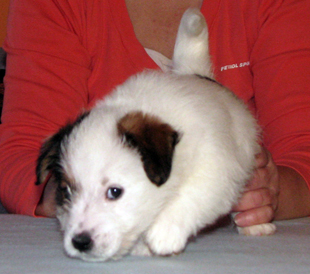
(259, 201)
(47, 205)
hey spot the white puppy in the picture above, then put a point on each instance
(163, 156)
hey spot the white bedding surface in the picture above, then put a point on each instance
(34, 245)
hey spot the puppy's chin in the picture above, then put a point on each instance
(92, 257)
(87, 257)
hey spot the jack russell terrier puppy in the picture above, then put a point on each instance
(163, 156)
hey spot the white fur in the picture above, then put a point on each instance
(258, 230)
(211, 165)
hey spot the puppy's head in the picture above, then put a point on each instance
(109, 173)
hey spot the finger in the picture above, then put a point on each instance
(254, 199)
(255, 216)
(259, 180)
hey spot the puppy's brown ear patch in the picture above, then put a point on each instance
(154, 140)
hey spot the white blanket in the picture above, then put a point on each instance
(29, 245)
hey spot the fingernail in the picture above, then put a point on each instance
(240, 220)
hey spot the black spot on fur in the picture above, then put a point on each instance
(207, 78)
(48, 162)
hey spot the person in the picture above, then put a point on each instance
(65, 55)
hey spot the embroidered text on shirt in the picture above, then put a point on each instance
(234, 66)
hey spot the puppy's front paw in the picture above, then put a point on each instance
(166, 239)
(258, 230)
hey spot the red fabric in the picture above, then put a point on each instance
(64, 55)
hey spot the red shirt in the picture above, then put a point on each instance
(65, 55)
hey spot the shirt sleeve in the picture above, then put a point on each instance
(281, 70)
(45, 86)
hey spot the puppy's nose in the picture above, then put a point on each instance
(82, 242)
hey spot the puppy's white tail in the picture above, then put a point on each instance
(191, 51)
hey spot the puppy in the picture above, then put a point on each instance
(163, 156)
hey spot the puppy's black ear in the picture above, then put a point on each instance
(49, 157)
(48, 162)
(155, 142)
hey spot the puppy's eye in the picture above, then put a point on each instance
(114, 193)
